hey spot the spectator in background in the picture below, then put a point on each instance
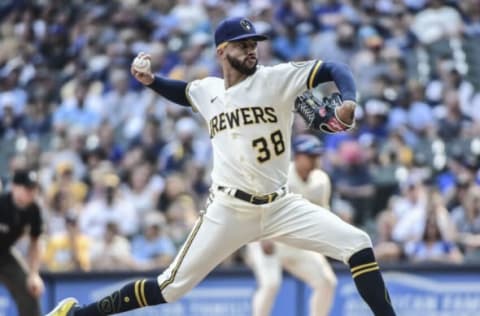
(292, 44)
(9, 123)
(12, 93)
(150, 139)
(471, 12)
(68, 146)
(375, 120)
(181, 215)
(93, 158)
(106, 142)
(420, 116)
(409, 210)
(112, 251)
(184, 148)
(385, 248)
(433, 246)
(190, 67)
(153, 248)
(369, 61)
(297, 12)
(340, 45)
(109, 206)
(38, 118)
(143, 187)
(429, 24)
(447, 77)
(454, 123)
(59, 206)
(68, 250)
(75, 112)
(353, 180)
(119, 99)
(175, 187)
(64, 181)
(466, 218)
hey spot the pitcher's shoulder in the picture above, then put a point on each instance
(205, 83)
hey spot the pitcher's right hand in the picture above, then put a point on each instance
(146, 77)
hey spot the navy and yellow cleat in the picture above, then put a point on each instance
(66, 307)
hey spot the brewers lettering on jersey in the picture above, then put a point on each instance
(242, 116)
(249, 113)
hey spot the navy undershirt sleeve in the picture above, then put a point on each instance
(173, 90)
(341, 75)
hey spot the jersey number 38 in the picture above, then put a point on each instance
(264, 152)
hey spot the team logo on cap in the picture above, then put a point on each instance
(246, 25)
(32, 176)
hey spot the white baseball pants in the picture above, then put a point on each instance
(229, 223)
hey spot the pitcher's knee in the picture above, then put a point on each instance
(359, 240)
(362, 240)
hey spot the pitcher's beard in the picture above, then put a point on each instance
(242, 67)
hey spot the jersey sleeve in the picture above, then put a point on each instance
(36, 228)
(191, 86)
(200, 94)
(293, 78)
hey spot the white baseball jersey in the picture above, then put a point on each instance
(254, 116)
(316, 189)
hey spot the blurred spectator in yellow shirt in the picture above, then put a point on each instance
(64, 180)
(69, 251)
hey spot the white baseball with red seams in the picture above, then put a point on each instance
(142, 64)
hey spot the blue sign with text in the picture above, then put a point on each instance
(413, 294)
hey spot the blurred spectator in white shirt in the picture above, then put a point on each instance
(409, 210)
(434, 244)
(109, 206)
(430, 24)
(143, 187)
(111, 251)
(121, 101)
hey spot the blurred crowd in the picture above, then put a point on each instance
(124, 172)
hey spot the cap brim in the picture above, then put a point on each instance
(311, 152)
(255, 37)
(28, 185)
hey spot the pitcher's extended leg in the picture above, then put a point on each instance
(302, 224)
(211, 240)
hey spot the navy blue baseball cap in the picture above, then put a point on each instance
(236, 29)
(307, 144)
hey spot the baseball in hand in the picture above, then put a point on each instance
(141, 65)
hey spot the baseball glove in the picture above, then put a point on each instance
(321, 114)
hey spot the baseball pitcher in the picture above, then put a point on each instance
(249, 114)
